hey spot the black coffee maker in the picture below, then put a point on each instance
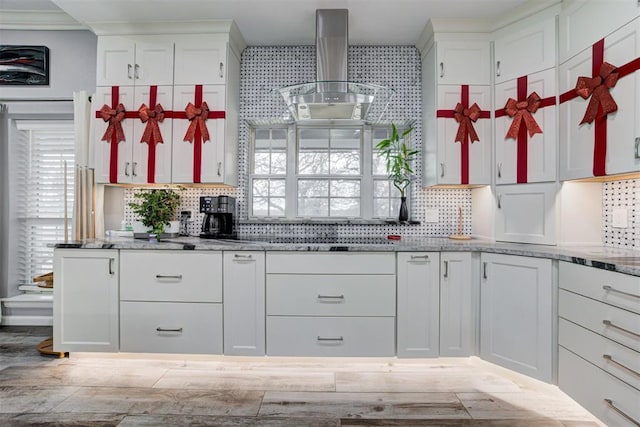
(219, 217)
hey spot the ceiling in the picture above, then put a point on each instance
(281, 22)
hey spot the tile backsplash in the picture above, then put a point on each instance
(266, 68)
(621, 198)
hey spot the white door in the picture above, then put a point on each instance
(154, 63)
(463, 62)
(418, 304)
(115, 61)
(516, 314)
(85, 303)
(200, 60)
(577, 142)
(540, 154)
(104, 156)
(457, 308)
(526, 213)
(450, 152)
(161, 156)
(212, 155)
(525, 47)
(244, 303)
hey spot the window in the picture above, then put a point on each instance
(41, 149)
(320, 173)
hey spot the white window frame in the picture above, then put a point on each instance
(292, 177)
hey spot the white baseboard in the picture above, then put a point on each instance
(27, 321)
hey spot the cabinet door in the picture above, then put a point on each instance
(516, 314)
(584, 22)
(418, 301)
(85, 307)
(212, 154)
(457, 310)
(200, 60)
(244, 303)
(463, 62)
(526, 213)
(154, 63)
(115, 61)
(577, 141)
(540, 153)
(158, 154)
(450, 152)
(525, 47)
(103, 150)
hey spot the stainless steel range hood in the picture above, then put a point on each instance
(332, 96)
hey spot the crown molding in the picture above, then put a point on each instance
(38, 20)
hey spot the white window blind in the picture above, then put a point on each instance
(41, 151)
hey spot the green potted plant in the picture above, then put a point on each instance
(398, 156)
(156, 208)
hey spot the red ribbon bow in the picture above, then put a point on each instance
(598, 89)
(198, 118)
(114, 117)
(151, 117)
(466, 117)
(523, 110)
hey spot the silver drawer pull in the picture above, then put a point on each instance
(614, 326)
(239, 256)
(615, 362)
(330, 296)
(608, 288)
(159, 329)
(174, 276)
(609, 402)
(419, 257)
(446, 269)
(340, 338)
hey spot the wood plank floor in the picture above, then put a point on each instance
(231, 391)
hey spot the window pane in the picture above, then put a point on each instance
(345, 162)
(279, 136)
(313, 163)
(277, 188)
(381, 208)
(260, 206)
(313, 207)
(278, 163)
(345, 188)
(263, 134)
(379, 164)
(261, 162)
(345, 207)
(381, 188)
(261, 188)
(314, 138)
(313, 188)
(345, 139)
(379, 134)
(276, 207)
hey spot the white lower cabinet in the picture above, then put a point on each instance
(458, 303)
(244, 303)
(418, 304)
(85, 300)
(324, 304)
(516, 314)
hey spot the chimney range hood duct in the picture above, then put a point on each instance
(332, 96)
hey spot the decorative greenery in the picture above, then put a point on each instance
(156, 208)
(398, 155)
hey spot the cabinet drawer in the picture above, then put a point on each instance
(162, 327)
(595, 348)
(590, 386)
(601, 318)
(331, 295)
(327, 263)
(606, 286)
(330, 336)
(171, 276)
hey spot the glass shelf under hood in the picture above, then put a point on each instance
(337, 100)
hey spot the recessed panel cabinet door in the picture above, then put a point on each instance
(115, 61)
(458, 304)
(463, 62)
(154, 63)
(516, 314)
(200, 60)
(85, 303)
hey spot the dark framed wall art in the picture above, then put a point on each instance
(24, 65)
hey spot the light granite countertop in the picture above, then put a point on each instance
(615, 259)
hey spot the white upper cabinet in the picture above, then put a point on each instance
(134, 60)
(584, 22)
(200, 61)
(609, 146)
(526, 46)
(520, 156)
(463, 62)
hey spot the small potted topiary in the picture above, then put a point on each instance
(156, 209)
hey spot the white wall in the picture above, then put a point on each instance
(72, 58)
